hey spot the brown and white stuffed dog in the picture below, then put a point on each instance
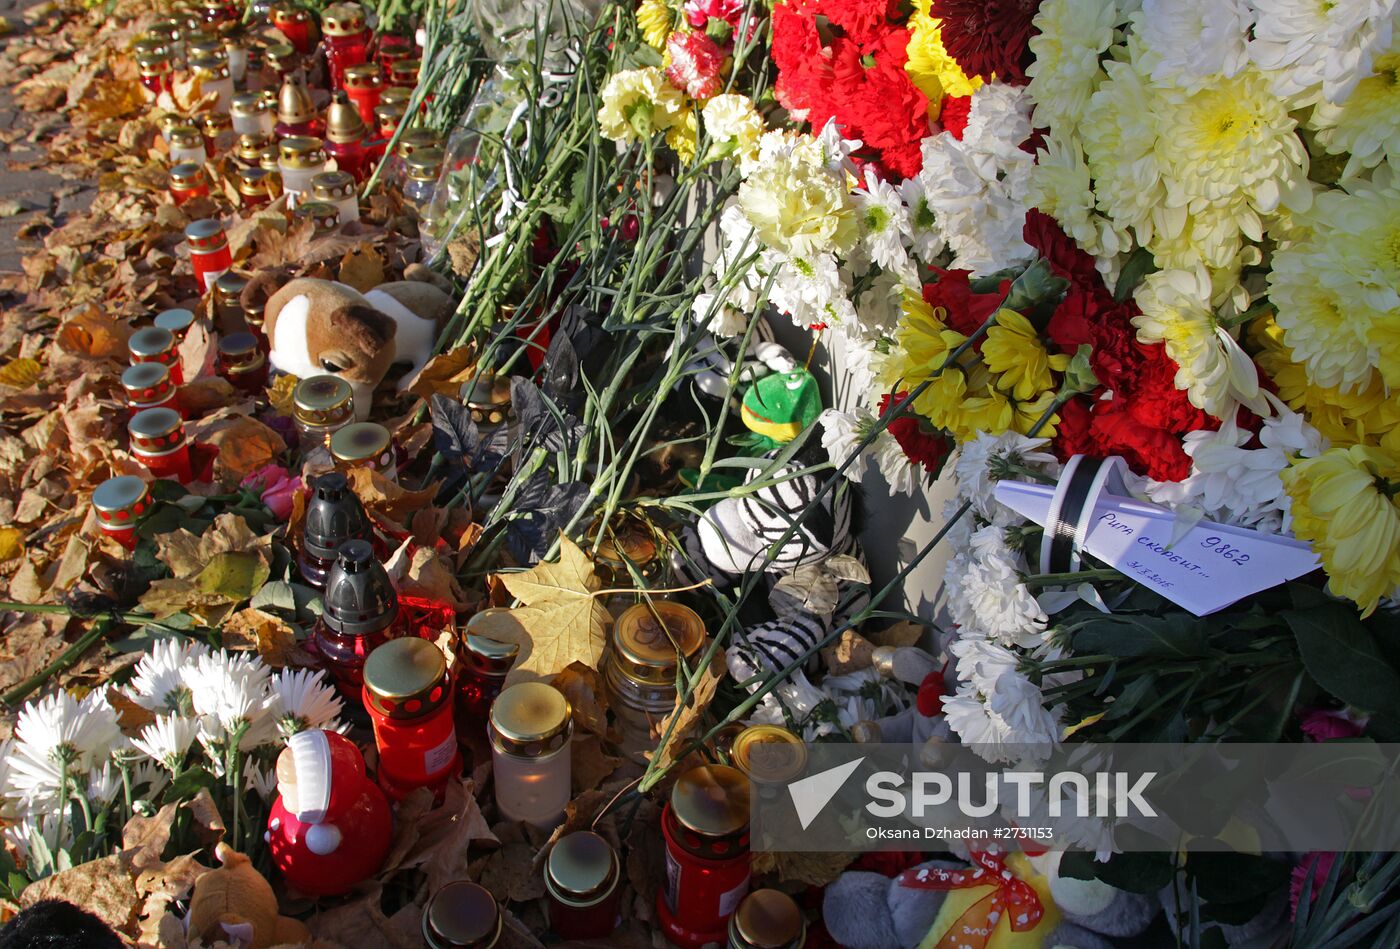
(319, 327)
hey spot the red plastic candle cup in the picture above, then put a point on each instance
(364, 84)
(156, 344)
(158, 442)
(177, 319)
(408, 694)
(209, 252)
(156, 71)
(346, 39)
(706, 826)
(404, 73)
(360, 614)
(188, 181)
(483, 666)
(392, 49)
(580, 878)
(296, 25)
(243, 363)
(148, 386)
(120, 503)
(346, 133)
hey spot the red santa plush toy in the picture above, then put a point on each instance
(330, 826)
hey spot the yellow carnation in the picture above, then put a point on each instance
(637, 103)
(930, 68)
(1344, 502)
(799, 208)
(655, 20)
(1014, 350)
(683, 136)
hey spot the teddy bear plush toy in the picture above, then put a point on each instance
(319, 327)
(994, 901)
(235, 904)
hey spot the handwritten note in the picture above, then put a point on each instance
(1207, 569)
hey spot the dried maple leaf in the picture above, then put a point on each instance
(688, 716)
(590, 763)
(197, 352)
(225, 565)
(272, 638)
(94, 335)
(814, 869)
(571, 623)
(130, 716)
(20, 373)
(386, 499)
(362, 268)
(445, 373)
(850, 653)
(424, 572)
(103, 887)
(582, 685)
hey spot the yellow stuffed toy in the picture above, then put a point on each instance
(235, 904)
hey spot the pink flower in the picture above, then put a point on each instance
(695, 64)
(1327, 724)
(277, 487)
(699, 12)
(1318, 864)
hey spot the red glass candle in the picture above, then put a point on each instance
(120, 503)
(158, 442)
(408, 694)
(296, 25)
(360, 613)
(209, 252)
(156, 72)
(404, 73)
(483, 666)
(345, 137)
(580, 877)
(188, 181)
(767, 919)
(256, 188)
(363, 85)
(177, 319)
(156, 344)
(394, 48)
(148, 386)
(706, 826)
(243, 363)
(346, 39)
(218, 12)
(296, 112)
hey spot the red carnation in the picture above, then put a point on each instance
(964, 310)
(696, 63)
(954, 114)
(987, 37)
(926, 447)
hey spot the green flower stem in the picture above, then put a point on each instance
(66, 659)
(1068, 577)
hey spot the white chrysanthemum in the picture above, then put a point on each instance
(986, 596)
(1319, 327)
(167, 739)
(1366, 126)
(884, 223)
(102, 785)
(35, 827)
(996, 709)
(304, 700)
(811, 290)
(1119, 133)
(977, 481)
(1060, 186)
(58, 739)
(999, 122)
(637, 103)
(1072, 35)
(879, 306)
(1212, 369)
(148, 779)
(230, 693)
(261, 781)
(842, 433)
(717, 317)
(157, 682)
(925, 239)
(1319, 50)
(1193, 42)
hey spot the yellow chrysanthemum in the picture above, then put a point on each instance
(656, 20)
(930, 68)
(1028, 413)
(1014, 350)
(683, 137)
(1367, 125)
(1345, 503)
(637, 103)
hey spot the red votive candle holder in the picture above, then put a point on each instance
(148, 386)
(243, 363)
(188, 181)
(483, 664)
(408, 694)
(296, 25)
(158, 442)
(706, 826)
(346, 39)
(120, 504)
(209, 252)
(156, 344)
(580, 878)
(360, 614)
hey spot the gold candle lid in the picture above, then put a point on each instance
(768, 754)
(767, 919)
(398, 96)
(247, 105)
(185, 136)
(388, 115)
(417, 139)
(123, 498)
(425, 164)
(241, 345)
(228, 288)
(712, 800)
(404, 70)
(206, 235)
(363, 76)
(581, 870)
(289, 12)
(147, 382)
(530, 719)
(343, 121)
(148, 45)
(301, 151)
(154, 63)
(154, 425)
(268, 162)
(360, 442)
(343, 19)
(282, 57)
(630, 539)
(488, 656)
(150, 342)
(250, 148)
(648, 637)
(333, 185)
(187, 174)
(406, 678)
(462, 915)
(209, 67)
(319, 400)
(214, 123)
(255, 182)
(176, 320)
(294, 103)
(166, 29)
(321, 213)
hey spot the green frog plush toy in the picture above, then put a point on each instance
(779, 407)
